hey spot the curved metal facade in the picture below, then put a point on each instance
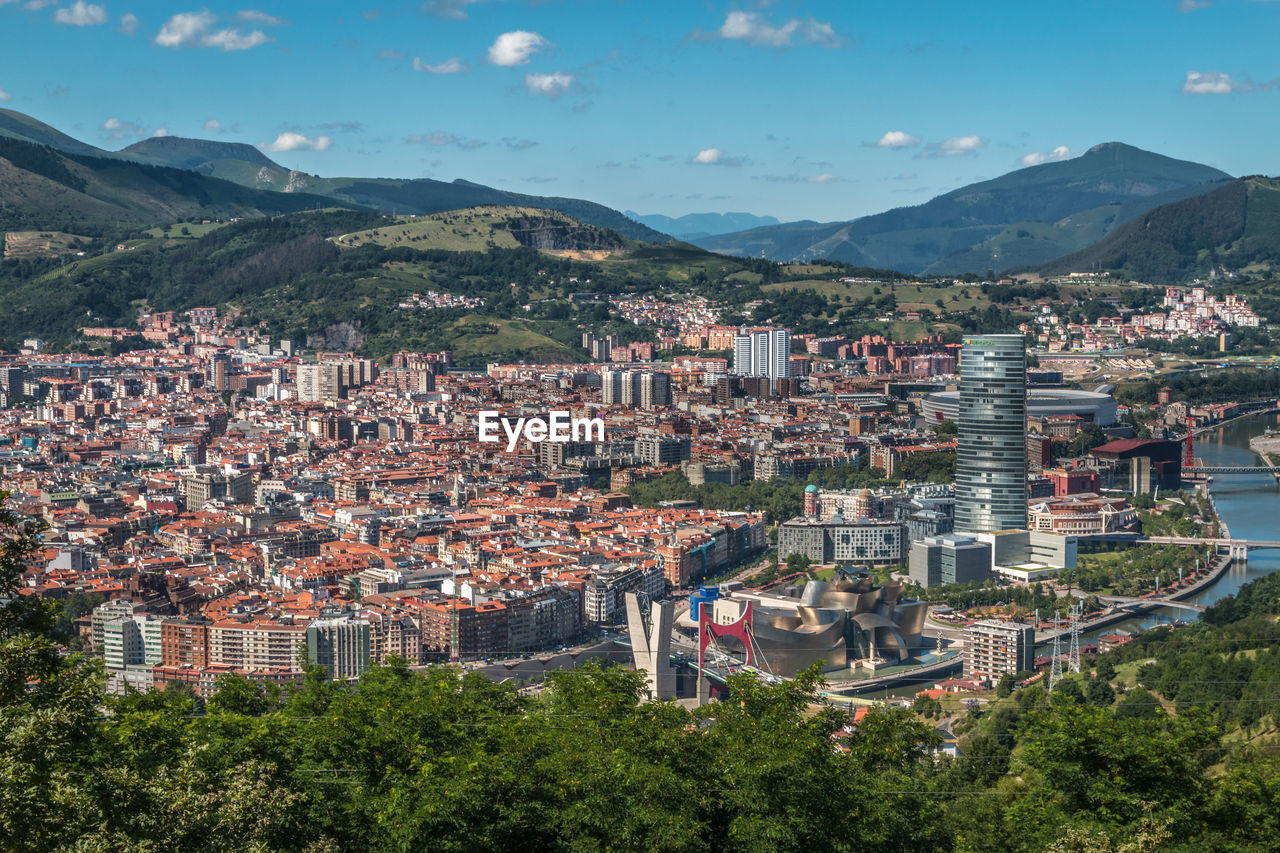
(991, 459)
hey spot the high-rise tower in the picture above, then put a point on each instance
(763, 352)
(991, 460)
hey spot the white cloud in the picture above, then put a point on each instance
(298, 142)
(252, 16)
(455, 9)
(184, 28)
(441, 138)
(37, 5)
(229, 39)
(1209, 83)
(389, 54)
(752, 28)
(515, 47)
(193, 28)
(129, 23)
(453, 65)
(824, 178)
(518, 144)
(715, 157)
(956, 146)
(213, 124)
(114, 128)
(897, 139)
(1191, 5)
(1220, 83)
(551, 85)
(81, 14)
(5, 96)
(1035, 158)
(160, 131)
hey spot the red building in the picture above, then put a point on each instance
(1076, 481)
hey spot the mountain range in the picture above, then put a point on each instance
(1114, 207)
(1025, 217)
(250, 169)
(692, 226)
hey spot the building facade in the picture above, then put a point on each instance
(836, 540)
(340, 645)
(991, 460)
(943, 560)
(763, 352)
(994, 648)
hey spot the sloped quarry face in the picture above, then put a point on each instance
(552, 235)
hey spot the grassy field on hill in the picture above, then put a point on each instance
(473, 230)
(476, 337)
(35, 244)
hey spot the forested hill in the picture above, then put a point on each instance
(1233, 227)
(1051, 209)
(337, 279)
(42, 189)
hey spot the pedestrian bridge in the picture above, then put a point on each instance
(1238, 548)
(1231, 469)
(1123, 601)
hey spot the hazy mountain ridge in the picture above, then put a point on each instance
(697, 225)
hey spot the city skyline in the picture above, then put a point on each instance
(628, 104)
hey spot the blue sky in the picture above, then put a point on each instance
(817, 110)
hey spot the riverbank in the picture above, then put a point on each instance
(1229, 421)
(1265, 445)
(1142, 608)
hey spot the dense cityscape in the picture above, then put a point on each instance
(500, 425)
(929, 525)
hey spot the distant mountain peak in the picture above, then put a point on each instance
(1112, 146)
(1024, 217)
(695, 225)
(182, 152)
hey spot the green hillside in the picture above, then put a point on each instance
(344, 279)
(1235, 227)
(250, 168)
(479, 229)
(16, 125)
(48, 190)
(1028, 243)
(951, 226)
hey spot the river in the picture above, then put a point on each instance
(1249, 503)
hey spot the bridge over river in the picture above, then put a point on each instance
(1237, 548)
(1124, 601)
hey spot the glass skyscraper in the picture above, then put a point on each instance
(991, 461)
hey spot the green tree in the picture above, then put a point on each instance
(797, 562)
